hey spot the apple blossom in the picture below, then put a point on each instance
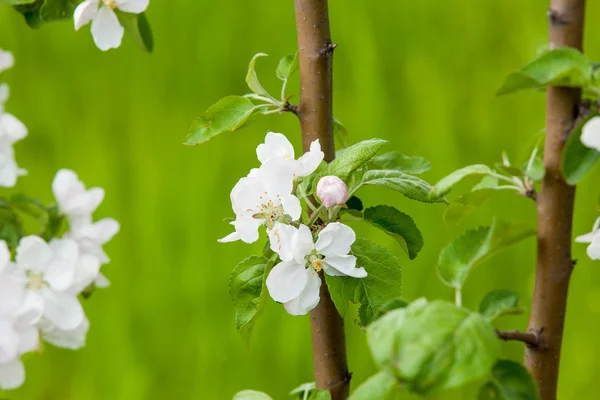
(106, 28)
(332, 191)
(277, 145)
(73, 199)
(6, 60)
(593, 238)
(295, 281)
(72, 339)
(590, 134)
(11, 130)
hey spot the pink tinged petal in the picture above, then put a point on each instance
(11, 129)
(291, 206)
(280, 238)
(302, 244)
(310, 161)
(335, 240)
(33, 254)
(590, 134)
(84, 13)
(132, 6)
(286, 280)
(308, 298)
(6, 61)
(276, 145)
(72, 339)
(102, 282)
(62, 309)
(346, 265)
(106, 29)
(332, 191)
(12, 374)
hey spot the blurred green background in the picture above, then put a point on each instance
(421, 74)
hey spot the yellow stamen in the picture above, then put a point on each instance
(110, 4)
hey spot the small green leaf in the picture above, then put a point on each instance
(535, 169)
(320, 394)
(578, 159)
(353, 158)
(434, 346)
(11, 226)
(466, 204)
(31, 13)
(227, 115)
(398, 225)
(354, 203)
(382, 284)
(16, 2)
(408, 185)
(400, 162)
(564, 66)
(304, 389)
(246, 287)
(57, 10)
(340, 133)
(377, 387)
(138, 27)
(500, 302)
(509, 381)
(445, 184)
(251, 395)
(287, 66)
(252, 78)
(393, 304)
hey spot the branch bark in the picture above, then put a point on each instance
(529, 338)
(555, 211)
(315, 113)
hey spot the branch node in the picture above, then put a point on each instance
(573, 263)
(328, 49)
(289, 107)
(532, 339)
(557, 18)
(532, 194)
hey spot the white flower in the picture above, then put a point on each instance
(11, 130)
(295, 281)
(9, 170)
(6, 60)
(72, 339)
(106, 28)
(46, 273)
(263, 198)
(593, 238)
(73, 199)
(332, 191)
(278, 146)
(590, 134)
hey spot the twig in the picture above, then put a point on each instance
(532, 339)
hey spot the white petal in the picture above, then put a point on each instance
(247, 228)
(72, 339)
(335, 239)
(6, 61)
(232, 237)
(345, 265)
(30, 338)
(308, 298)
(277, 176)
(87, 269)
(62, 309)
(84, 13)
(587, 238)
(99, 232)
(291, 206)
(276, 145)
(246, 195)
(9, 171)
(4, 256)
(132, 6)
(593, 249)
(106, 29)
(12, 374)
(11, 129)
(280, 237)
(286, 280)
(9, 340)
(60, 272)
(33, 254)
(302, 244)
(66, 184)
(102, 282)
(310, 161)
(84, 203)
(590, 133)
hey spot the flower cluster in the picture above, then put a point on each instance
(305, 246)
(11, 131)
(107, 31)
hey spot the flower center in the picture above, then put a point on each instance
(270, 211)
(36, 280)
(110, 4)
(315, 261)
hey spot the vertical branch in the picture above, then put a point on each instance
(555, 211)
(316, 121)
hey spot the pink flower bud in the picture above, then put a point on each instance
(332, 191)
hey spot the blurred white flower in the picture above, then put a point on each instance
(72, 339)
(106, 28)
(593, 238)
(295, 281)
(73, 199)
(6, 60)
(332, 191)
(590, 134)
(277, 145)
(11, 130)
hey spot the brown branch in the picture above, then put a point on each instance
(316, 122)
(555, 211)
(531, 339)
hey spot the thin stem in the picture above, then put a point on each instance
(458, 297)
(315, 215)
(531, 339)
(283, 86)
(255, 96)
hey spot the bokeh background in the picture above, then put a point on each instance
(421, 74)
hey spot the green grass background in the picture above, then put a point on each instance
(421, 74)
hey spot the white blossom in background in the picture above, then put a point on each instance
(73, 200)
(263, 198)
(590, 134)
(106, 28)
(593, 238)
(11, 131)
(72, 339)
(295, 281)
(332, 191)
(6, 60)
(277, 145)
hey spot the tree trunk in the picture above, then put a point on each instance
(555, 211)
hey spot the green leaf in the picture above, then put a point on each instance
(354, 203)
(509, 381)
(377, 387)
(466, 204)
(434, 346)
(353, 158)
(535, 169)
(445, 184)
(252, 78)
(400, 162)
(393, 304)
(57, 10)
(304, 389)
(16, 2)
(11, 226)
(31, 13)
(320, 394)
(251, 395)
(246, 287)
(564, 66)
(578, 159)
(340, 133)
(382, 284)
(138, 27)
(408, 185)
(500, 302)
(227, 115)
(287, 66)
(398, 225)
(475, 246)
